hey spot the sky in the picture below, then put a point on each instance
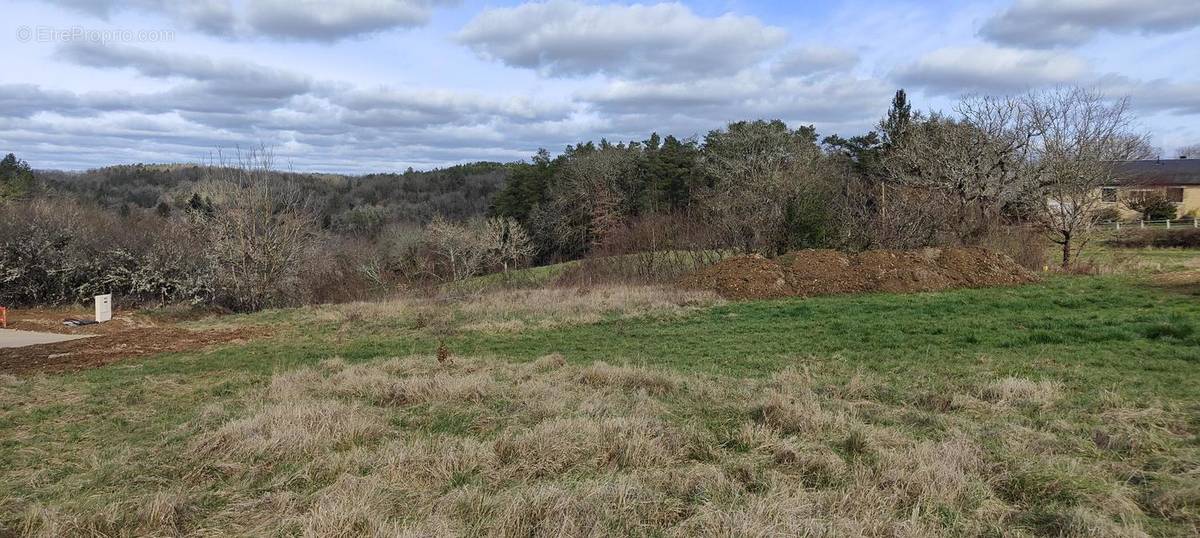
(361, 86)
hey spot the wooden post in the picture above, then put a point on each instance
(1118, 225)
(882, 200)
(1142, 222)
(1168, 224)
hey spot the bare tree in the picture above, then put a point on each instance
(1079, 137)
(1190, 151)
(907, 217)
(258, 231)
(506, 241)
(974, 161)
(760, 171)
(460, 250)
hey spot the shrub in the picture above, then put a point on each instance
(1108, 214)
(56, 251)
(1152, 206)
(257, 236)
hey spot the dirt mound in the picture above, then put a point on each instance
(825, 272)
(748, 277)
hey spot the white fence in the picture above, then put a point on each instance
(1191, 222)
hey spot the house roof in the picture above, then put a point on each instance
(1159, 172)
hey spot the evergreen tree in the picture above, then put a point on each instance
(16, 178)
(200, 206)
(681, 174)
(526, 186)
(898, 119)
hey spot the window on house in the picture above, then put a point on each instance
(1108, 194)
(1175, 194)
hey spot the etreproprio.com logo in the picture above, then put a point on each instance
(52, 34)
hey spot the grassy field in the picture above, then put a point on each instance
(1064, 408)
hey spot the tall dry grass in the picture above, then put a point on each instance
(414, 447)
(511, 310)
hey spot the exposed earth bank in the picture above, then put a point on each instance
(807, 273)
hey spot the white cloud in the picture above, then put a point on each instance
(329, 21)
(1158, 95)
(211, 103)
(305, 20)
(571, 38)
(1046, 23)
(830, 102)
(988, 69)
(621, 69)
(224, 77)
(814, 59)
(403, 107)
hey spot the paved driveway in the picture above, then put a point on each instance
(14, 338)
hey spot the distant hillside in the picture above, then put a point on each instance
(353, 204)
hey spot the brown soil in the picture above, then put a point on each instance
(825, 272)
(1187, 282)
(122, 338)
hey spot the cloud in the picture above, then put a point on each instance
(330, 21)
(570, 38)
(1153, 96)
(987, 69)
(223, 77)
(25, 100)
(208, 103)
(303, 20)
(698, 105)
(403, 107)
(813, 60)
(1049, 23)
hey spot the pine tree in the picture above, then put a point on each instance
(16, 178)
(898, 119)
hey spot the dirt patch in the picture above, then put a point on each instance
(119, 339)
(826, 272)
(1187, 282)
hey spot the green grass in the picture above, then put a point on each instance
(1100, 337)
(1102, 332)
(1106, 332)
(1138, 260)
(1111, 329)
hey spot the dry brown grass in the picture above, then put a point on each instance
(1015, 391)
(289, 430)
(654, 381)
(523, 309)
(411, 447)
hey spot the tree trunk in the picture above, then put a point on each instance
(1066, 250)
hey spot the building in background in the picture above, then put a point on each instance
(1177, 180)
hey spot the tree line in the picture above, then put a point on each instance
(241, 234)
(919, 179)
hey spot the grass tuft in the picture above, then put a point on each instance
(1015, 390)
